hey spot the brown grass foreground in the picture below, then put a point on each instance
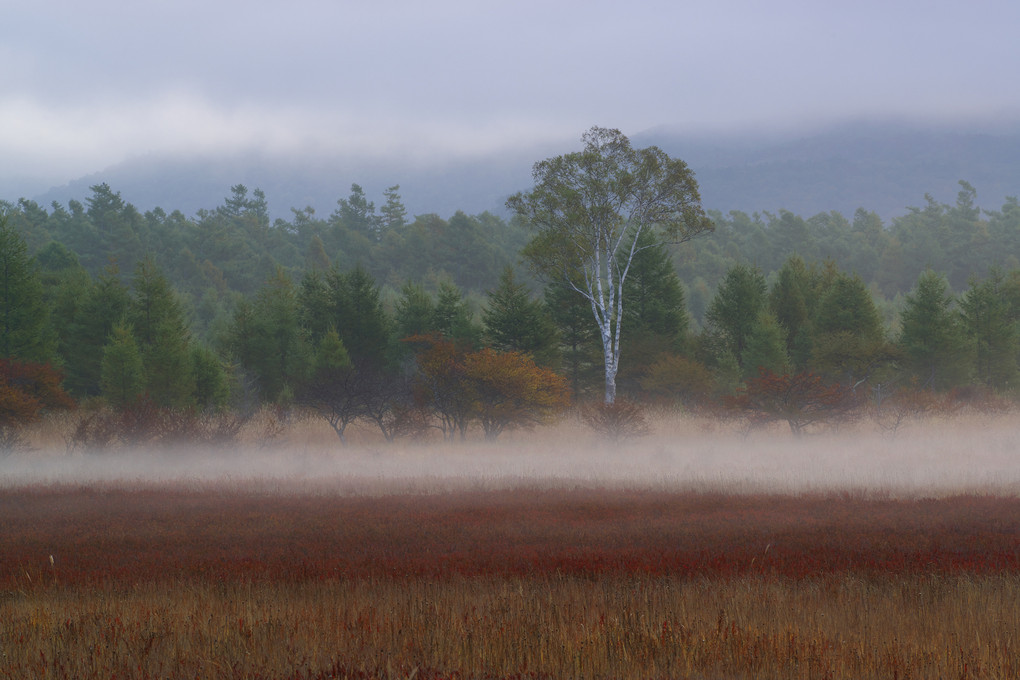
(205, 581)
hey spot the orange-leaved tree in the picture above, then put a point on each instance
(440, 384)
(801, 399)
(499, 390)
(27, 389)
(510, 390)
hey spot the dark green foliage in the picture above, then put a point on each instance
(991, 326)
(102, 306)
(267, 340)
(935, 351)
(765, 348)
(23, 315)
(359, 317)
(157, 320)
(415, 311)
(452, 318)
(655, 319)
(514, 322)
(579, 347)
(791, 302)
(212, 384)
(849, 340)
(122, 380)
(734, 311)
(210, 281)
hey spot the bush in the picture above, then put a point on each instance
(617, 421)
(144, 423)
(27, 390)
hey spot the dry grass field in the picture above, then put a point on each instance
(695, 552)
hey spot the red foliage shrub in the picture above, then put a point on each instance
(801, 399)
(27, 389)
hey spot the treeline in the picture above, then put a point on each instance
(960, 241)
(226, 311)
(221, 254)
(231, 250)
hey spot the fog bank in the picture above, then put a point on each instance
(974, 455)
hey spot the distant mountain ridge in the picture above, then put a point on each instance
(881, 167)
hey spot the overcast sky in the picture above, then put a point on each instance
(86, 84)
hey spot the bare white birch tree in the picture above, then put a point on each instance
(590, 208)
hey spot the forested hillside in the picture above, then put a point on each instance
(230, 307)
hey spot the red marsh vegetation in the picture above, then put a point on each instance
(155, 581)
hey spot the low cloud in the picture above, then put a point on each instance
(38, 139)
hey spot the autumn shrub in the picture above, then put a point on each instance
(145, 423)
(27, 390)
(497, 390)
(800, 399)
(905, 405)
(617, 421)
(981, 398)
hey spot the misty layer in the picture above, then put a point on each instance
(938, 457)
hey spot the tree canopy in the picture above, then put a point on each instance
(590, 210)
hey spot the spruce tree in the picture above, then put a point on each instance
(514, 322)
(157, 319)
(23, 314)
(932, 336)
(122, 379)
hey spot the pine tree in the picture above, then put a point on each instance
(993, 332)
(212, 386)
(157, 319)
(415, 311)
(122, 379)
(849, 341)
(103, 306)
(359, 316)
(766, 347)
(514, 322)
(579, 346)
(23, 315)
(452, 317)
(733, 312)
(931, 335)
(789, 303)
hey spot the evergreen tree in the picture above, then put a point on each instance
(931, 334)
(212, 386)
(580, 349)
(788, 301)
(359, 317)
(654, 295)
(849, 341)
(514, 322)
(452, 318)
(733, 312)
(393, 214)
(103, 305)
(993, 332)
(316, 306)
(655, 314)
(122, 379)
(23, 315)
(766, 347)
(415, 311)
(268, 340)
(157, 319)
(330, 354)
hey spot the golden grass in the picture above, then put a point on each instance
(838, 627)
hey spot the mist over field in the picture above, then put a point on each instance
(973, 454)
